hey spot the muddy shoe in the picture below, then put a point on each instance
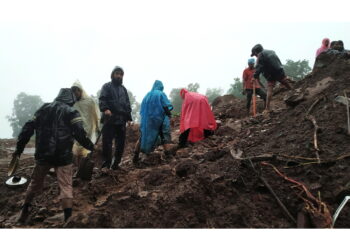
(115, 166)
(106, 164)
(24, 214)
(135, 159)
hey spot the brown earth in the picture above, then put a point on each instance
(211, 184)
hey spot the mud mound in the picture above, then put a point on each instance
(229, 180)
(228, 106)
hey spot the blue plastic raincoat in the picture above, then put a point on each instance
(153, 117)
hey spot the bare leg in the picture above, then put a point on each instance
(137, 151)
(269, 97)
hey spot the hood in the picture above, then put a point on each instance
(116, 68)
(78, 85)
(158, 85)
(326, 42)
(66, 96)
(183, 92)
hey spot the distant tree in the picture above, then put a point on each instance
(24, 107)
(236, 88)
(97, 96)
(193, 87)
(176, 99)
(213, 93)
(297, 70)
(135, 107)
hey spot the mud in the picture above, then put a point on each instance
(203, 185)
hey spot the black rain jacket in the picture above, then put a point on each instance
(115, 98)
(56, 125)
(269, 65)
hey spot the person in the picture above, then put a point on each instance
(249, 82)
(197, 120)
(116, 112)
(324, 47)
(155, 122)
(90, 114)
(55, 125)
(271, 67)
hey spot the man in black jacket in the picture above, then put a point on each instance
(56, 125)
(271, 67)
(116, 112)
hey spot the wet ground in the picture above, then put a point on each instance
(224, 181)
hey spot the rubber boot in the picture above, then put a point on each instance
(106, 164)
(115, 164)
(169, 149)
(67, 213)
(24, 213)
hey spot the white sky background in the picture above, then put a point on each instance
(47, 45)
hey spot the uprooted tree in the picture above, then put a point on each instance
(24, 107)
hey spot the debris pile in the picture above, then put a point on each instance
(288, 169)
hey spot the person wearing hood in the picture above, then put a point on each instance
(91, 119)
(155, 122)
(197, 120)
(116, 112)
(55, 125)
(271, 67)
(249, 82)
(324, 47)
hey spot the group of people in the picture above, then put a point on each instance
(71, 123)
(67, 128)
(334, 47)
(269, 65)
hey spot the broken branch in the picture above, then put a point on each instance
(313, 120)
(273, 193)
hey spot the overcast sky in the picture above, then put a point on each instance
(47, 45)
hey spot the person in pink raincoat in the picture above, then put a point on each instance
(197, 119)
(324, 46)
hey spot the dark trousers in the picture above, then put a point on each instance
(183, 137)
(116, 132)
(258, 91)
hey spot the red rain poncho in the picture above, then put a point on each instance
(196, 115)
(324, 46)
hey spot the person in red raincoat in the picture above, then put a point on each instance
(197, 120)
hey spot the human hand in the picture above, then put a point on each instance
(108, 112)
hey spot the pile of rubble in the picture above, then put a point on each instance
(285, 170)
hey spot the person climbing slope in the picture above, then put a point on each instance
(91, 118)
(55, 125)
(197, 119)
(248, 84)
(155, 122)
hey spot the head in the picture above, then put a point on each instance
(333, 44)
(117, 75)
(325, 42)
(256, 50)
(251, 62)
(158, 85)
(340, 45)
(66, 96)
(183, 93)
(77, 92)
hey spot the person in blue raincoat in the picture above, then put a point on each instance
(155, 122)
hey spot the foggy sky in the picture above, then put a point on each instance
(48, 45)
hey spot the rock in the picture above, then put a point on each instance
(183, 153)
